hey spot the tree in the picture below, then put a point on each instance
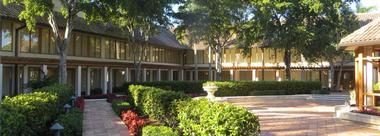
(361, 9)
(302, 26)
(215, 22)
(139, 21)
(32, 9)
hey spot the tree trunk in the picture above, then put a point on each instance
(331, 75)
(340, 72)
(218, 63)
(62, 63)
(287, 61)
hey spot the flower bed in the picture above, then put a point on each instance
(368, 111)
(133, 121)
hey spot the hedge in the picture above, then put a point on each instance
(32, 113)
(201, 117)
(247, 88)
(156, 103)
(187, 87)
(119, 105)
(72, 122)
(158, 131)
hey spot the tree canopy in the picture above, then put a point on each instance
(302, 26)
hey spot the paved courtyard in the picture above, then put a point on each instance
(100, 120)
(303, 118)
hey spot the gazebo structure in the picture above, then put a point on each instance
(365, 43)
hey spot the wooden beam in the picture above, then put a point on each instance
(359, 80)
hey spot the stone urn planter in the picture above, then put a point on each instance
(210, 89)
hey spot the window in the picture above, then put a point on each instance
(107, 48)
(45, 41)
(122, 50)
(113, 50)
(92, 46)
(78, 44)
(85, 46)
(117, 47)
(34, 42)
(6, 36)
(98, 50)
(25, 40)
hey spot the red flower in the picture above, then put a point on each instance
(133, 121)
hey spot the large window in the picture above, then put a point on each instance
(25, 40)
(6, 36)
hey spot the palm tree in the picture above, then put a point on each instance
(362, 9)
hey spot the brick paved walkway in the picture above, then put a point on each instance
(303, 118)
(100, 120)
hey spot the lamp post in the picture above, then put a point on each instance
(72, 98)
(56, 129)
(66, 107)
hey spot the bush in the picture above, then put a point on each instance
(188, 87)
(244, 88)
(45, 82)
(133, 121)
(33, 113)
(119, 105)
(158, 131)
(28, 114)
(201, 117)
(155, 102)
(72, 122)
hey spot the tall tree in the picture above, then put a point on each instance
(139, 20)
(362, 9)
(69, 9)
(295, 25)
(215, 22)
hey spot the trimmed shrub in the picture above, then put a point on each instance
(188, 87)
(119, 105)
(245, 88)
(33, 113)
(28, 114)
(72, 122)
(201, 117)
(154, 102)
(158, 131)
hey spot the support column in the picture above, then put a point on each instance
(1, 82)
(254, 78)
(88, 92)
(191, 76)
(144, 75)
(181, 75)
(278, 78)
(159, 74)
(359, 80)
(104, 79)
(369, 81)
(127, 76)
(44, 72)
(78, 82)
(170, 74)
(110, 80)
(25, 76)
(232, 75)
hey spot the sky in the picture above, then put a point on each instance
(367, 3)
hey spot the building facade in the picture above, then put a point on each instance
(100, 59)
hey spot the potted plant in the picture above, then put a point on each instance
(210, 88)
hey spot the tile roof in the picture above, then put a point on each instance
(368, 34)
(163, 38)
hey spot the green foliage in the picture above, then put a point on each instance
(245, 88)
(154, 102)
(376, 86)
(28, 114)
(119, 105)
(72, 122)
(33, 113)
(177, 86)
(158, 131)
(46, 82)
(201, 117)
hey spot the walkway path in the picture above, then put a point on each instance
(100, 120)
(303, 118)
